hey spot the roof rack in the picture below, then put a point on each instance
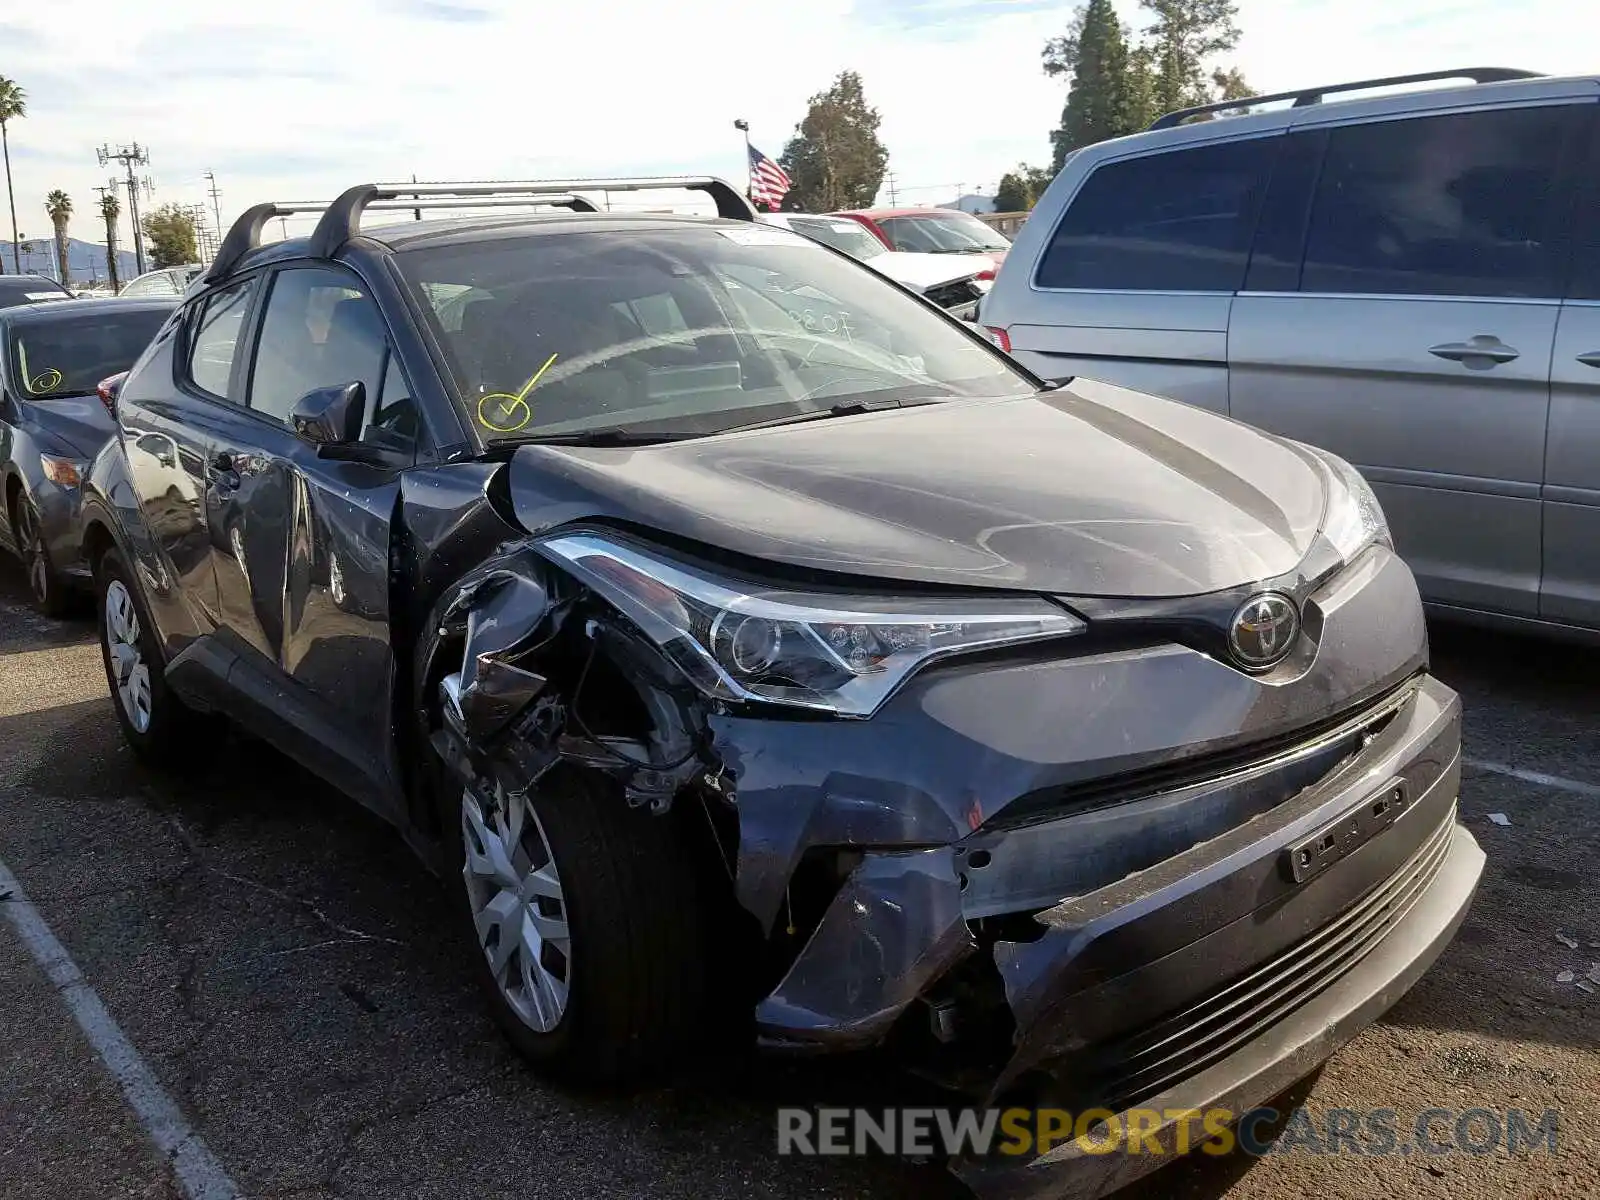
(341, 220)
(1308, 96)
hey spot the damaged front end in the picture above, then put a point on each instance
(1048, 872)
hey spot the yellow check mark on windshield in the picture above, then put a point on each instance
(512, 412)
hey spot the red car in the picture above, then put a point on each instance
(932, 231)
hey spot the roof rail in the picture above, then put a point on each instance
(1308, 96)
(341, 220)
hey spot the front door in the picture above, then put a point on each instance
(302, 542)
(1415, 341)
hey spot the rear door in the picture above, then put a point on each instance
(1413, 334)
(301, 542)
(167, 410)
(1570, 591)
(1136, 281)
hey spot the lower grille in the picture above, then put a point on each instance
(1141, 1065)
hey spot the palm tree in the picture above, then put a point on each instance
(13, 106)
(59, 205)
(111, 209)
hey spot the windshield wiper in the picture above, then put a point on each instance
(599, 437)
(850, 409)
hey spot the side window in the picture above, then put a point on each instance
(1179, 221)
(214, 336)
(1455, 205)
(320, 330)
(393, 417)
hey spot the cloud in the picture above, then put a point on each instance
(271, 98)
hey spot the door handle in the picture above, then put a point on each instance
(220, 470)
(1476, 353)
(1591, 359)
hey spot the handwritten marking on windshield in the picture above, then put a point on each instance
(513, 412)
(45, 381)
(827, 322)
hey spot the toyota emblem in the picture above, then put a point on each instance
(1263, 630)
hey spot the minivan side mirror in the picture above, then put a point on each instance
(330, 416)
(108, 389)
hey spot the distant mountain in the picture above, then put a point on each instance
(86, 260)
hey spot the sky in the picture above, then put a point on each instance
(298, 99)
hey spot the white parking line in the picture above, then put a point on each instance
(1562, 784)
(199, 1174)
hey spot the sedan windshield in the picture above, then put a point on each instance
(842, 234)
(73, 349)
(681, 332)
(942, 233)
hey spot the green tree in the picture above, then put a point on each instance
(1094, 53)
(1141, 88)
(170, 233)
(1185, 35)
(110, 210)
(59, 206)
(1020, 190)
(13, 107)
(835, 159)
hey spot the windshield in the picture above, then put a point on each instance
(24, 289)
(73, 351)
(850, 236)
(681, 331)
(942, 233)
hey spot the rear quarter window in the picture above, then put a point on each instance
(1181, 220)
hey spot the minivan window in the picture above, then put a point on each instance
(1454, 205)
(1174, 222)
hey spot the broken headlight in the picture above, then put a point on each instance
(839, 652)
(1354, 519)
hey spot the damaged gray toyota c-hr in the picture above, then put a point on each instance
(739, 635)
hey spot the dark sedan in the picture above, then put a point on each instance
(52, 423)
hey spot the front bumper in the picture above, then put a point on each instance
(61, 523)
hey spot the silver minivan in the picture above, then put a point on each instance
(1410, 280)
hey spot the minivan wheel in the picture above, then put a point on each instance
(588, 926)
(45, 587)
(158, 726)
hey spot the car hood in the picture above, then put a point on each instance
(1087, 490)
(923, 271)
(78, 424)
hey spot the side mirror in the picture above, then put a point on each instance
(108, 389)
(330, 416)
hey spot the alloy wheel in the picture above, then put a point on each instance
(30, 545)
(129, 670)
(517, 904)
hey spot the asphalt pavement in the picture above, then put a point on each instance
(285, 974)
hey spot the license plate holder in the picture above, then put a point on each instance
(1352, 829)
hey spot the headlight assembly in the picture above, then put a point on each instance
(841, 653)
(1354, 519)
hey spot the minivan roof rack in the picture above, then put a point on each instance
(1308, 96)
(341, 220)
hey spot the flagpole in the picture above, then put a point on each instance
(749, 168)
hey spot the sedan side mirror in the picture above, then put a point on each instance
(330, 416)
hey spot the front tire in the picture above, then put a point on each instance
(588, 922)
(46, 588)
(158, 726)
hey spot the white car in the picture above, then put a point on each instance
(952, 281)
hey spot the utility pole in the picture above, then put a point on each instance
(892, 196)
(216, 204)
(130, 157)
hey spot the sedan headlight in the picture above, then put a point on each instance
(63, 472)
(1354, 519)
(838, 652)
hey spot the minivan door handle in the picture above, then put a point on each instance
(1591, 359)
(1476, 353)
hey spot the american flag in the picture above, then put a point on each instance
(768, 183)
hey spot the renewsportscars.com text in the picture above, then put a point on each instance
(1024, 1132)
